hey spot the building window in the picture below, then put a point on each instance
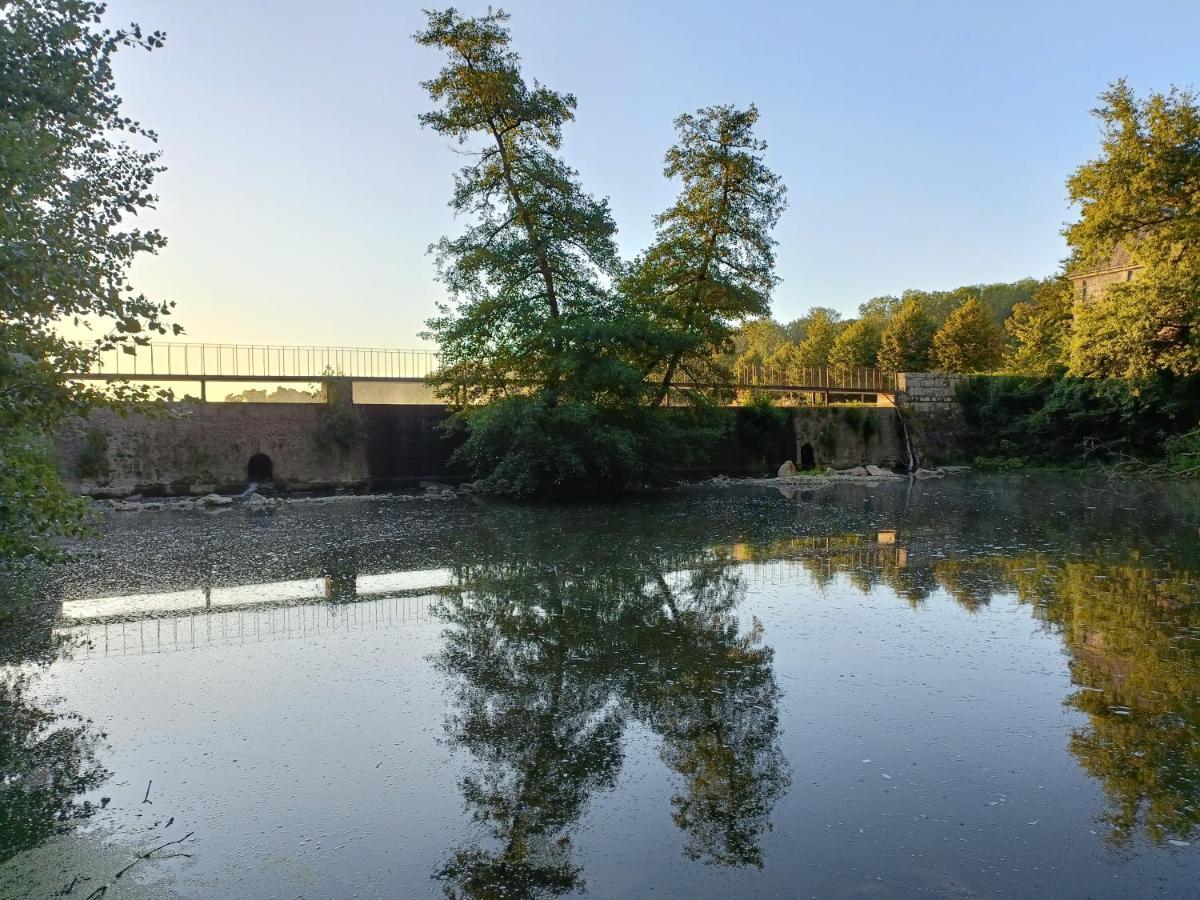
(1129, 275)
(1085, 289)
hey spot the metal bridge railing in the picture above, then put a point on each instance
(191, 360)
(170, 359)
(819, 378)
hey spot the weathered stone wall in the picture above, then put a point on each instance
(197, 448)
(203, 447)
(847, 436)
(929, 403)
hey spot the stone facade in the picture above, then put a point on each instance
(932, 414)
(202, 447)
(1090, 283)
(848, 436)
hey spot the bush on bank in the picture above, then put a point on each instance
(1013, 419)
(526, 448)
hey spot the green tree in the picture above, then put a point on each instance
(818, 340)
(763, 336)
(712, 262)
(907, 339)
(1140, 195)
(528, 277)
(1040, 331)
(857, 346)
(536, 347)
(968, 341)
(70, 177)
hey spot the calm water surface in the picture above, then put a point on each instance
(985, 686)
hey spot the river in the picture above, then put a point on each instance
(981, 685)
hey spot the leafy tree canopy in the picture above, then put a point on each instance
(71, 178)
(968, 341)
(1141, 195)
(907, 339)
(712, 262)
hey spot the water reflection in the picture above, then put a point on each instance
(563, 644)
(552, 658)
(48, 758)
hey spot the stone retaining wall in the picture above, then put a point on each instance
(929, 403)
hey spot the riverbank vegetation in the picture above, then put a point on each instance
(73, 171)
(1069, 377)
(560, 358)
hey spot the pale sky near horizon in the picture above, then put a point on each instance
(924, 145)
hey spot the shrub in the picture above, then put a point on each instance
(93, 457)
(527, 448)
(1072, 419)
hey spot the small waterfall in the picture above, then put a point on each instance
(913, 460)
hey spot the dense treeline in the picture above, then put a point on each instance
(958, 330)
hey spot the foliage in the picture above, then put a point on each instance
(763, 336)
(857, 345)
(70, 178)
(93, 457)
(540, 645)
(907, 339)
(341, 425)
(1068, 420)
(968, 341)
(818, 340)
(1139, 197)
(547, 344)
(34, 504)
(1040, 331)
(48, 760)
(761, 423)
(712, 262)
(532, 449)
(528, 277)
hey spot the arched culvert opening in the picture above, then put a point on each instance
(808, 459)
(260, 469)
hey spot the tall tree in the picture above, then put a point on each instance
(1141, 194)
(906, 340)
(529, 277)
(1040, 331)
(857, 346)
(71, 178)
(712, 262)
(818, 339)
(968, 341)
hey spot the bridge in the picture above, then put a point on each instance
(203, 363)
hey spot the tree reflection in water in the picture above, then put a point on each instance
(550, 660)
(1131, 625)
(47, 760)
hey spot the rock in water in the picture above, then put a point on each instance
(787, 469)
(215, 500)
(877, 472)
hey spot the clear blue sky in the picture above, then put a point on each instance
(923, 144)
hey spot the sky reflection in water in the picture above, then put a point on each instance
(984, 685)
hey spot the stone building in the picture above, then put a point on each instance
(1092, 282)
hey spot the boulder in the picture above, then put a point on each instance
(257, 501)
(877, 472)
(857, 471)
(216, 500)
(928, 473)
(787, 470)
